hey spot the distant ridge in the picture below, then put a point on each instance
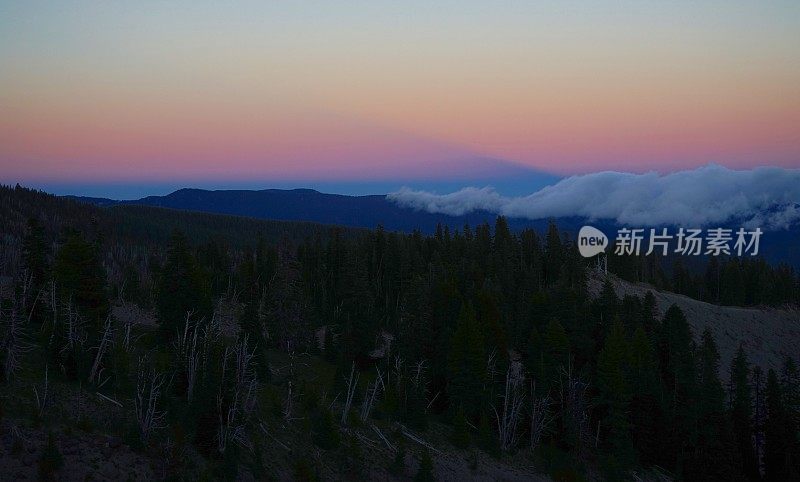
(371, 211)
(311, 205)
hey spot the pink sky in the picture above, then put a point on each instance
(371, 92)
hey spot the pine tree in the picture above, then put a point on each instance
(51, 460)
(80, 277)
(711, 395)
(645, 412)
(488, 313)
(467, 364)
(732, 284)
(714, 457)
(324, 431)
(649, 313)
(780, 438)
(425, 472)
(614, 396)
(676, 364)
(556, 353)
(554, 253)
(504, 259)
(711, 291)
(182, 287)
(398, 465)
(607, 303)
(487, 439)
(285, 304)
(535, 359)
(790, 385)
(790, 382)
(254, 330)
(34, 254)
(460, 436)
(358, 333)
(742, 413)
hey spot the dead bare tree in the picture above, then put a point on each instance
(41, 399)
(373, 390)
(513, 399)
(351, 390)
(12, 341)
(148, 391)
(241, 400)
(575, 404)
(491, 368)
(389, 445)
(398, 370)
(419, 373)
(53, 303)
(541, 416)
(74, 331)
(288, 404)
(246, 382)
(413, 437)
(126, 338)
(101, 350)
(186, 347)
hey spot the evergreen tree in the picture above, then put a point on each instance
(460, 437)
(182, 288)
(742, 413)
(50, 460)
(732, 287)
(676, 364)
(556, 353)
(614, 396)
(649, 313)
(398, 465)
(790, 385)
(467, 364)
(254, 330)
(357, 309)
(554, 254)
(645, 412)
(711, 291)
(81, 279)
(34, 254)
(504, 254)
(286, 307)
(607, 303)
(790, 382)
(425, 472)
(780, 437)
(714, 457)
(535, 359)
(323, 429)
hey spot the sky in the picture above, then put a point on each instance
(130, 98)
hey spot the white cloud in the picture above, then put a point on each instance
(699, 197)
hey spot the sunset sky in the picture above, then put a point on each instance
(264, 93)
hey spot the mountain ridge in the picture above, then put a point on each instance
(372, 210)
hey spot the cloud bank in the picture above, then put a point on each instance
(765, 196)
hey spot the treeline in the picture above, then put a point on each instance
(494, 333)
(487, 331)
(132, 227)
(724, 280)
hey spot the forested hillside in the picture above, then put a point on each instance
(202, 346)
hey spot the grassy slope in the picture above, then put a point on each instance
(768, 334)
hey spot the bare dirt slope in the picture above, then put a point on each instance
(768, 334)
